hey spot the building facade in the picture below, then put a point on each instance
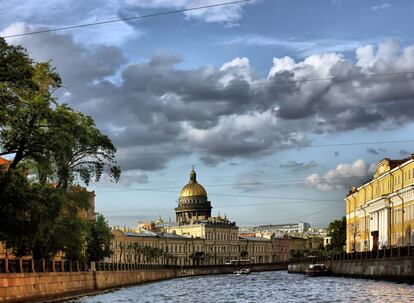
(197, 238)
(292, 228)
(380, 213)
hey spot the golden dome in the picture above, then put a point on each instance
(193, 188)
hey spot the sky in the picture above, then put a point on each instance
(281, 106)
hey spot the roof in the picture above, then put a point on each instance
(280, 226)
(254, 238)
(4, 161)
(392, 163)
(193, 188)
(147, 233)
(175, 236)
(142, 233)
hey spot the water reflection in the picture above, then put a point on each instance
(260, 287)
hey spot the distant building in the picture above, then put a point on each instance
(380, 212)
(199, 238)
(327, 241)
(300, 227)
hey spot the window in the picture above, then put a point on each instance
(412, 211)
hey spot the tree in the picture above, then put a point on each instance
(55, 146)
(353, 229)
(62, 143)
(99, 239)
(152, 253)
(16, 76)
(136, 249)
(41, 220)
(337, 232)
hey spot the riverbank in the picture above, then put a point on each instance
(32, 287)
(399, 269)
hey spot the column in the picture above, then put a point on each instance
(371, 228)
(379, 228)
(386, 226)
(384, 229)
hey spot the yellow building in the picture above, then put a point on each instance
(380, 213)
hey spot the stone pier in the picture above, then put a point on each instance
(32, 287)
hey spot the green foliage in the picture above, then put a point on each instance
(51, 146)
(16, 76)
(98, 239)
(41, 220)
(337, 230)
(61, 143)
(152, 253)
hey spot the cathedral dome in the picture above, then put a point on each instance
(193, 188)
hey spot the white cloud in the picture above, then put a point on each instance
(60, 13)
(342, 177)
(381, 6)
(303, 47)
(228, 14)
(16, 29)
(227, 110)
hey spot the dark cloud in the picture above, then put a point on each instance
(155, 111)
(403, 153)
(249, 182)
(372, 151)
(298, 166)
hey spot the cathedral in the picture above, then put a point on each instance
(197, 237)
(193, 203)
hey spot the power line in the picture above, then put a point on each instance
(272, 148)
(227, 195)
(126, 19)
(258, 183)
(216, 206)
(313, 213)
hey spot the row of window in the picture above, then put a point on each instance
(181, 248)
(221, 236)
(384, 187)
(408, 214)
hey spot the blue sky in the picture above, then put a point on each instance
(211, 88)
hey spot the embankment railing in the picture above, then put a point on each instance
(29, 265)
(392, 252)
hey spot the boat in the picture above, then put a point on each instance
(243, 271)
(317, 270)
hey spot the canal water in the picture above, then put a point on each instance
(278, 286)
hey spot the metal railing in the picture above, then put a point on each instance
(30, 266)
(393, 252)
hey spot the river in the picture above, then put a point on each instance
(263, 287)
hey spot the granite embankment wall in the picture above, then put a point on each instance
(396, 269)
(32, 287)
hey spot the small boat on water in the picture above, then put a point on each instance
(317, 270)
(243, 271)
